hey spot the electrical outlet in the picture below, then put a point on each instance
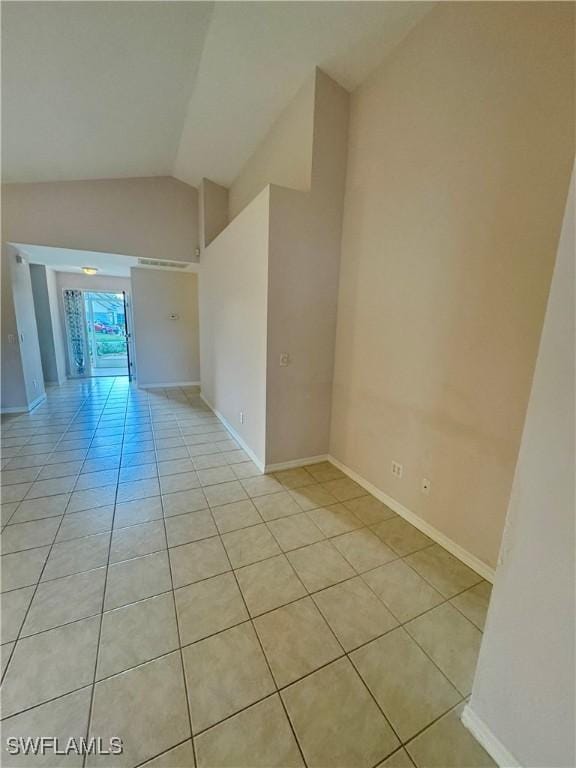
(241, 417)
(397, 469)
(426, 485)
(284, 359)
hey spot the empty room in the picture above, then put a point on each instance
(287, 354)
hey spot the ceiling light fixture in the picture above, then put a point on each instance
(89, 270)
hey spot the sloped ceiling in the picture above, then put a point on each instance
(96, 89)
(119, 89)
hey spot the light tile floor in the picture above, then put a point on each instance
(157, 588)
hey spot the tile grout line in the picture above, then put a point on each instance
(431, 723)
(217, 506)
(346, 654)
(36, 585)
(99, 636)
(264, 613)
(255, 631)
(360, 574)
(250, 618)
(309, 596)
(168, 749)
(176, 619)
(357, 574)
(49, 454)
(310, 593)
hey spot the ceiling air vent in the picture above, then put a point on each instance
(161, 263)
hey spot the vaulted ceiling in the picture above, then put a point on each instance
(188, 89)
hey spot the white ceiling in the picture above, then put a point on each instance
(258, 54)
(96, 89)
(71, 260)
(117, 89)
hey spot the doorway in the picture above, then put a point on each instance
(97, 332)
(107, 334)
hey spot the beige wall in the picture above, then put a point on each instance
(524, 686)
(150, 217)
(233, 323)
(284, 156)
(91, 282)
(167, 350)
(459, 158)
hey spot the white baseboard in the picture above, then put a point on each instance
(26, 408)
(466, 557)
(37, 401)
(296, 463)
(463, 555)
(246, 448)
(168, 384)
(484, 736)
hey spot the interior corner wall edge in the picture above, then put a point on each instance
(452, 214)
(305, 236)
(212, 211)
(22, 375)
(42, 310)
(144, 217)
(294, 226)
(13, 388)
(59, 336)
(523, 690)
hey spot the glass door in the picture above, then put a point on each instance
(107, 334)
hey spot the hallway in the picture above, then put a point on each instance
(155, 584)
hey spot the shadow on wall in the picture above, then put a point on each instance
(269, 285)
